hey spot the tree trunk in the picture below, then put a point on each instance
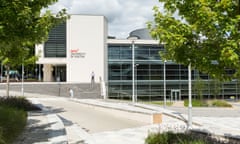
(8, 80)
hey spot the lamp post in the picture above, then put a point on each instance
(39, 72)
(22, 79)
(189, 97)
(133, 71)
(136, 97)
(164, 82)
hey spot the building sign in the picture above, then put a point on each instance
(75, 53)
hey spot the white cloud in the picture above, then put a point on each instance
(123, 16)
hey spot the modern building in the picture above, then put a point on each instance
(80, 48)
(75, 49)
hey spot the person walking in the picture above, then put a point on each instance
(92, 79)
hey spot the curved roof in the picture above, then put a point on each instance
(141, 34)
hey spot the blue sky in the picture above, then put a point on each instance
(123, 15)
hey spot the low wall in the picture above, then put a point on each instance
(81, 90)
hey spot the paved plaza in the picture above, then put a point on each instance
(51, 126)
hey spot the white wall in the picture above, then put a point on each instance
(86, 35)
(39, 52)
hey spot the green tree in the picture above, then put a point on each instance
(198, 87)
(205, 33)
(215, 87)
(21, 26)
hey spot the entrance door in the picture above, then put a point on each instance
(60, 73)
(175, 95)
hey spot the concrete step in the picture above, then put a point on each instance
(81, 90)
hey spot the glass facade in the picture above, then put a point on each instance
(149, 72)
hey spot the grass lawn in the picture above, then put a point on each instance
(207, 103)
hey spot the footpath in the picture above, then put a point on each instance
(46, 127)
(220, 127)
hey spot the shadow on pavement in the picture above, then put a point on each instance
(65, 121)
(37, 130)
(51, 110)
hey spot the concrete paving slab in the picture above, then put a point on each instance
(226, 126)
(37, 131)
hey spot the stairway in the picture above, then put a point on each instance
(80, 90)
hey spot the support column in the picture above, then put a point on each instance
(47, 73)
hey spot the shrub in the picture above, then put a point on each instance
(1, 137)
(18, 102)
(196, 103)
(13, 117)
(12, 123)
(220, 103)
(174, 138)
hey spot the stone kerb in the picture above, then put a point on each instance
(58, 134)
(126, 111)
(57, 128)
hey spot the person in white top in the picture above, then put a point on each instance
(71, 92)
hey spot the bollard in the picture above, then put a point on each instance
(71, 93)
(157, 118)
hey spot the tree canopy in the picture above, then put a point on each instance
(204, 33)
(22, 25)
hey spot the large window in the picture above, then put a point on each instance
(56, 43)
(142, 52)
(148, 69)
(123, 52)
